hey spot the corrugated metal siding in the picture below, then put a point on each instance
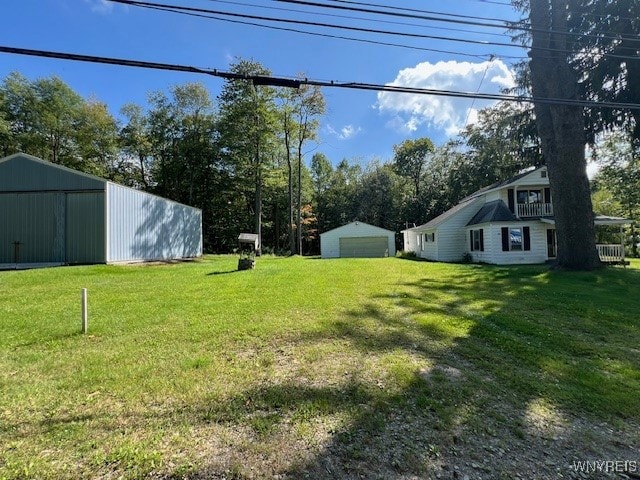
(146, 227)
(330, 241)
(85, 229)
(37, 221)
(24, 173)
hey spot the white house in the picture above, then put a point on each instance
(510, 222)
(357, 239)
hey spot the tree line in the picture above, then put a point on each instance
(245, 157)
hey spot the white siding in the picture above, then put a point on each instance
(410, 238)
(451, 237)
(534, 179)
(493, 244)
(330, 241)
(145, 227)
(497, 195)
(422, 247)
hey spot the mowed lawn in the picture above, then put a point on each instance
(309, 368)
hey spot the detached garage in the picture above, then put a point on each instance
(357, 239)
(50, 214)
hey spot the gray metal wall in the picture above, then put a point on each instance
(61, 216)
(25, 173)
(36, 221)
(52, 227)
(145, 227)
(85, 232)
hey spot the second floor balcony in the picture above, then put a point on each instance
(535, 210)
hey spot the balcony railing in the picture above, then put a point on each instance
(611, 253)
(535, 210)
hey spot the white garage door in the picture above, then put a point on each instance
(364, 247)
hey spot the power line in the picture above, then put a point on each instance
(416, 14)
(180, 9)
(362, 19)
(193, 11)
(484, 75)
(292, 82)
(327, 35)
(427, 15)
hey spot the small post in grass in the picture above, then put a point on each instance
(84, 310)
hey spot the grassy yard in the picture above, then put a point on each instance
(308, 368)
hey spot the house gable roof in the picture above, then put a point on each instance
(495, 211)
(440, 219)
(497, 214)
(504, 183)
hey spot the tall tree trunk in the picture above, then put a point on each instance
(299, 205)
(561, 131)
(258, 207)
(292, 238)
(258, 196)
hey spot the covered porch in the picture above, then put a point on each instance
(609, 253)
(612, 254)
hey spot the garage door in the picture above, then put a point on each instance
(364, 247)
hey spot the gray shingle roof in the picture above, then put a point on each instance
(495, 211)
(446, 215)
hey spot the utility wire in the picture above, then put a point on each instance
(473, 102)
(506, 24)
(291, 82)
(416, 14)
(179, 9)
(193, 10)
(327, 35)
(361, 19)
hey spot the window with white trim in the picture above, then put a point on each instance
(516, 239)
(476, 238)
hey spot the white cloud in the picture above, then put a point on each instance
(100, 6)
(448, 114)
(345, 133)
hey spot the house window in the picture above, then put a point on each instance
(430, 237)
(476, 238)
(516, 239)
(530, 196)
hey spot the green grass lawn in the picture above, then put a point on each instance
(332, 368)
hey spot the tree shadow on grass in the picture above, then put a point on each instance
(498, 373)
(510, 372)
(510, 388)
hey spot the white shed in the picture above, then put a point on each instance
(357, 239)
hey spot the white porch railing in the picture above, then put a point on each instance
(610, 253)
(535, 210)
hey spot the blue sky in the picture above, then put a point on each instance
(359, 125)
